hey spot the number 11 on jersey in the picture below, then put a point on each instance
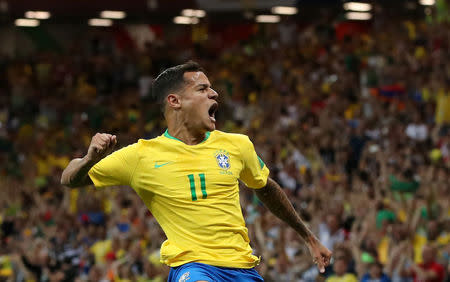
(202, 185)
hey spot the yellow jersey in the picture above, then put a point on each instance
(348, 277)
(193, 192)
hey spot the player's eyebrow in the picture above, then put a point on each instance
(203, 85)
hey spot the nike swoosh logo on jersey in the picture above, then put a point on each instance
(160, 165)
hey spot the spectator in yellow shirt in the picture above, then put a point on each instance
(340, 267)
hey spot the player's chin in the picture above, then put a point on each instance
(210, 125)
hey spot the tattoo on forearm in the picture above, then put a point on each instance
(278, 203)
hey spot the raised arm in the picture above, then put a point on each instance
(278, 203)
(76, 173)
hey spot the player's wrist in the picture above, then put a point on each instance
(88, 161)
(311, 240)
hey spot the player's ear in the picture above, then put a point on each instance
(173, 101)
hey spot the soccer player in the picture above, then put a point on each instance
(188, 178)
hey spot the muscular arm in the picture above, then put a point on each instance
(76, 173)
(278, 203)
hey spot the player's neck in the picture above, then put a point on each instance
(188, 137)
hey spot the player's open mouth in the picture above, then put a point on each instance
(212, 111)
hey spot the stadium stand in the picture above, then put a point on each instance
(354, 123)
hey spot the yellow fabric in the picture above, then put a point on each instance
(426, 95)
(6, 272)
(120, 253)
(420, 241)
(442, 107)
(74, 193)
(5, 266)
(411, 30)
(108, 204)
(100, 249)
(43, 167)
(420, 52)
(165, 172)
(443, 239)
(334, 177)
(383, 250)
(349, 277)
(402, 216)
(60, 162)
(351, 110)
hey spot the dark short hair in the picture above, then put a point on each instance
(172, 79)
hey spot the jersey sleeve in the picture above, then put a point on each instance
(116, 168)
(254, 172)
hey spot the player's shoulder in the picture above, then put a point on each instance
(214, 136)
(222, 134)
(234, 137)
(142, 143)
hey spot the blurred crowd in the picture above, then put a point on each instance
(356, 130)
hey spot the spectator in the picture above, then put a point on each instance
(340, 267)
(355, 125)
(330, 232)
(375, 274)
(429, 270)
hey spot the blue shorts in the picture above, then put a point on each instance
(194, 271)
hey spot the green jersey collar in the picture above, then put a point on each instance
(166, 134)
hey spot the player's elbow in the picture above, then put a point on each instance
(65, 181)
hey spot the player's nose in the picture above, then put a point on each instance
(213, 94)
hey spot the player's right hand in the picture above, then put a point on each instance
(321, 255)
(102, 144)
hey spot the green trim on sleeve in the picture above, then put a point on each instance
(261, 163)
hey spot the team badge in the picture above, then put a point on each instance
(185, 277)
(223, 159)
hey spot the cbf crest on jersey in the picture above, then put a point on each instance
(185, 277)
(223, 159)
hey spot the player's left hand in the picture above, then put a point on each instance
(321, 255)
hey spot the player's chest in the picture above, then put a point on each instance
(213, 169)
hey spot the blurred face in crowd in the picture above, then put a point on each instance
(43, 257)
(332, 222)
(428, 254)
(442, 174)
(432, 230)
(115, 244)
(136, 251)
(340, 267)
(197, 102)
(95, 274)
(375, 270)
(399, 231)
(340, 253)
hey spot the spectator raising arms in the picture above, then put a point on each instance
(355, 126)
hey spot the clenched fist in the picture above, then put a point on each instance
(101, 145)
